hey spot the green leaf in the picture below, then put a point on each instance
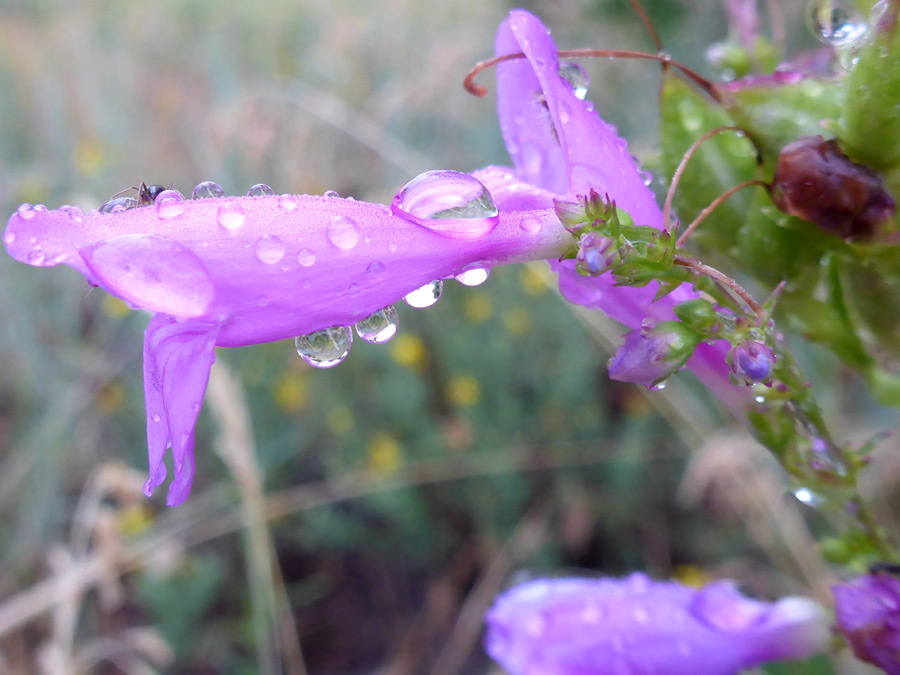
(869, 123)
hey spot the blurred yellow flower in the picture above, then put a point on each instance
(463, 391)
(114, 307)
(111, 397)
(517, 320)
(478, 307)
(532, 281)
(291, 392)
(89, 158)
(339, 420)
(134, 518)
(384, 453)
(408, 350)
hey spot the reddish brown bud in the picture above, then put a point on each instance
(815, 181)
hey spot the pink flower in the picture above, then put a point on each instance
(234, 271)
(558, 143)
(636, 625)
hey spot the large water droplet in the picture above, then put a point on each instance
(574, 74)
(260, 190)
(75, 212)
(379, 327)
(169, 204)
(425, 296)
(331, 194)
(207, 190)
(231, 215)
(269, 249)
(375, 267)
(287, 202)
(343, 232)
(836, 22)
(325, 348)
(117, 205)
(449, 203)
(473, 276)
(306, 258)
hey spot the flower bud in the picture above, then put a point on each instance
(649, 355)
(751, 362)
(596, 254)
(868, 614)
(817, 182)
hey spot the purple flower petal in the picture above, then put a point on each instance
(636, 625)
(868, 614)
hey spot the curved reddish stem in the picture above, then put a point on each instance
(712, 207)
(478, 90)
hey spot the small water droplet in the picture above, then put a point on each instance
(9, 236)
(835, 22)
(379, 327)
(287, 202)
(659, 386)
(375, 267)
(231, 215)
(262, 301)
(269, 249)
(353, 289)
(75, 212)
(759, 399)
(473, 276)
(26, 211)
(156, 418)
(325, 348)
(169, 204)
(331, 194)
(647, 177)
(425, 296)
(530, 224)
(260, 190)
(808, 497)
(575, 75)
(119, 204)
(343, 232)
(392, 247)
(40, 208)
(207, 190)
(450, 203)
(306, 258)
(36, 257)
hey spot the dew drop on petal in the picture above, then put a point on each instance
(287, 202)
(26, 211)
(343, 232)
(425, 296)
(473, 276)
(530, 224)
(75, 212)
(306, 258)
(119, 204)
(325, 348)
(156, 417)
(331, 194)
(835, 22)
(379, 327)
(169, 204)
(269, 249)
(9, 236)
(207, 190)
(450, 203)
(260, 190)
(375, 267)
(36, 257)
(646, 177)
(231, 215)
(575, 75)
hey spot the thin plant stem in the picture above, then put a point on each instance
(712, 207)
(723, 279)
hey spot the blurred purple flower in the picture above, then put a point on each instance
(649, 355)
(235, 271)
(636, 625)
(558, 143)
(868, 614)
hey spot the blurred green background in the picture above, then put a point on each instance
(356, 520)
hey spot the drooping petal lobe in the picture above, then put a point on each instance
(868, 614)
(636, 625)
(153, 272)
(178, 357)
